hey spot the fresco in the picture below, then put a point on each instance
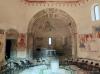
(90, 41)
(56, 2)
(22, 41)
(52, 0)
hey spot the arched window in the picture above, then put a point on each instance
(95, 12)
(49, 40)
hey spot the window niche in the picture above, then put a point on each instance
(95, 12)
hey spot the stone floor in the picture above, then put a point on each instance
(42, 69)
(39, 70)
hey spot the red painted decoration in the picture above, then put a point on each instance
(71, 2)
(43, 1)
(21, 41)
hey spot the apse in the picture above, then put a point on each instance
(56, 27)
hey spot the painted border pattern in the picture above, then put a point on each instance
(60, 1)
(56, 2)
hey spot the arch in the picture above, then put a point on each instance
(39, 24)
(11, 34)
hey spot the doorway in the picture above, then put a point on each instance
(10, 48)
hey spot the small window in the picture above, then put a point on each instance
(95, 12)
(50, 40)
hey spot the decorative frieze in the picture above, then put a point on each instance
(55, 2)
